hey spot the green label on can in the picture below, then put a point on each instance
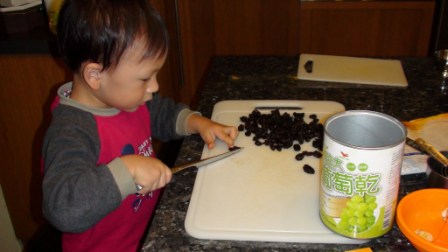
(359, 189)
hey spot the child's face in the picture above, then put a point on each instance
(133, 81)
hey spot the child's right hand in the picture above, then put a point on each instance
(148, 172)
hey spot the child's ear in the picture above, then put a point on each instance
(92, 74)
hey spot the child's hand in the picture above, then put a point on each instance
(150, 173)
(209, 130)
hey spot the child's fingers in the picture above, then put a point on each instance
(163, 180)
(232, 132)
(169, 175)
(209, 140)
(228, 135)
(165, 177)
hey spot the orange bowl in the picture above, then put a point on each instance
(421, 212)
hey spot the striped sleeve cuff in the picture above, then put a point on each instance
(123, 177)
(182, 119)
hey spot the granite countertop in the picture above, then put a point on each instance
(267, 78)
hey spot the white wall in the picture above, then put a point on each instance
(8, 240)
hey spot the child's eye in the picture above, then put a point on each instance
(146, 79)
(153, 75)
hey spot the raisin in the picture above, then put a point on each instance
(308, 153)
(241, 127)
(234, 148)
(317, 154)
(317, 143)
(308, 169)
(299, 156)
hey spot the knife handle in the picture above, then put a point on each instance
(425, 147)
(179, 168)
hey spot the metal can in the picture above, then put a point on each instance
(360, 178)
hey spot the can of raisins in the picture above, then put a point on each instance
(360, 175)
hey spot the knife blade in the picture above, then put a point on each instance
(206, 161)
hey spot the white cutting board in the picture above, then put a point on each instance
(352, 70)
(259, 194)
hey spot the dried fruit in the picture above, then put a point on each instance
(308, 169)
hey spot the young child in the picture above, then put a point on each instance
(98, 151)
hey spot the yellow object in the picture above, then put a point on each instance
(418, 124)
(360, 250)
(53, 7)
(433, 129)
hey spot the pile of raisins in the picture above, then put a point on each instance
(283, 131)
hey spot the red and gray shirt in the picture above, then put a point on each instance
(88, 193)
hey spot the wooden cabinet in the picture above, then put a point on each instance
(386, 28)
(291, 27)
(169, 77)
(233, 27)
(27, 86)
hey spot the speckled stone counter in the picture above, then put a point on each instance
(267, 78)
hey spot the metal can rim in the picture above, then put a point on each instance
(365, 112)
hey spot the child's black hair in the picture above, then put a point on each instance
(101, 30)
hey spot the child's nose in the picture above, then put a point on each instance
(153, 87)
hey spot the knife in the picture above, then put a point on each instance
(426, 148)
(206, 161)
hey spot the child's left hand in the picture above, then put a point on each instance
(209, 130)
